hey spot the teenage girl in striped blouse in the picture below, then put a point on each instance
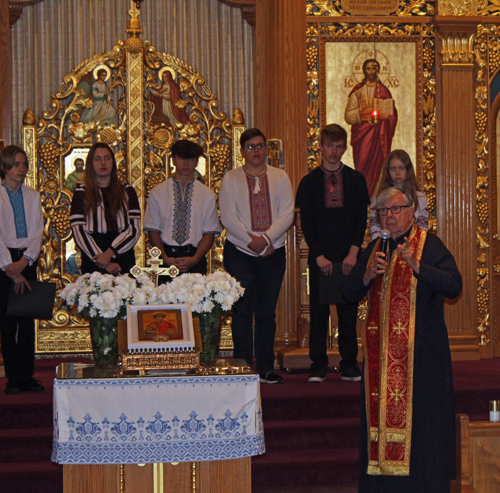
(105, 215)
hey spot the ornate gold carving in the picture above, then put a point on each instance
(29, 145)
(415, 7)
(29, 118)
(487, 7)
(141, 146)
(238, 128)
(363, 309)
(370, 7)
(146, 360)
(134, 45)
(321, 7)
(480, 50)
(457, 49)
(334, 8)
(483, 329)
(457, 7)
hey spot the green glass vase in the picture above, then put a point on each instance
(104, 336)
(210, 325)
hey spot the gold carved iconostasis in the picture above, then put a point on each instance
(438, 62)
(139, 101)
(427, 54)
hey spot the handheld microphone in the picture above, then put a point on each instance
(384, 242)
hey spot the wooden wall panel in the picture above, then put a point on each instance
(228, 476)
(281, 112)
(177, 478)
(456, 192)
(138, 478)
(91, 478)
(478, 456)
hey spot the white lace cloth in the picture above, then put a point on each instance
(157, 419)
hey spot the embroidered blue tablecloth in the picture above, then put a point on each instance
(157, 419)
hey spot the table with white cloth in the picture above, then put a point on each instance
(155, 419)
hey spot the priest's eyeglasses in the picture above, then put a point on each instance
(395, 209)
(251, 147)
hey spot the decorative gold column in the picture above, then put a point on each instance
(135, 111)
(6, 74)
(29, 145)
(456, 173)
(280, 112)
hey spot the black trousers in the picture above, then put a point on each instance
(348, 315)
(184, 251)
(17, 333)
(261, 277)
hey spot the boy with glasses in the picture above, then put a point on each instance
(256, 208)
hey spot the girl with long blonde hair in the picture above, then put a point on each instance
(398, 171)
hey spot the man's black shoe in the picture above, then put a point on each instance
(29, 384)
(317, 376)
(12, 387)
(270, 377)
(351, 374)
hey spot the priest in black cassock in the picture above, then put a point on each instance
(407, 438)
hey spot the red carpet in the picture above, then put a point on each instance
(311, 430)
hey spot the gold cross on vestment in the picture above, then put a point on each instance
(375, 393)
(397, 395)
(373, 328)
(155, 270)
(399, 328)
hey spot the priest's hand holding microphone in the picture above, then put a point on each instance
(379, 265)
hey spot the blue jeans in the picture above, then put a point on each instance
(261, 277)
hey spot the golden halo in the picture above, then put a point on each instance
(168, 69)
(99, 67)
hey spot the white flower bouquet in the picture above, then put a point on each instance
(107, 296)
(216, 291)
(209, 297)
(103, 298)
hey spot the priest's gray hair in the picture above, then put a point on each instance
(389, 193)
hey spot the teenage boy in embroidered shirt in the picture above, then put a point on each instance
(256, 208)
(181, 214)
(21, 229)
(333, 202)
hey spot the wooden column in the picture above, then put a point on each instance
(6, 73)
(281, 113)
(456, 166)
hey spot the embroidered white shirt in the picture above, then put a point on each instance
(34, 223)
(182, 217)
(262, 205)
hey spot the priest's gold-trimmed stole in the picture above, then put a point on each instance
(388, 345)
